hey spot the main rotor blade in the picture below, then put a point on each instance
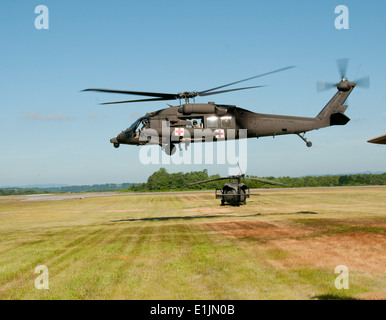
(342, 67)
(363, 82)
(379, 140)
(140, 100)
(260, 75)
(170, 96)
(205, 181)
(267, 181)
(229, 90)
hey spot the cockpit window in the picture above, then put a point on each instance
(135, 125)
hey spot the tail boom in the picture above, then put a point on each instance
(333, 113)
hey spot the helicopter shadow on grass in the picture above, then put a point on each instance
(210, 216)
(186, 217)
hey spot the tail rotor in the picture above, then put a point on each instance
(342, 65)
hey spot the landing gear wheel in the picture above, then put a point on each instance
(116, 145)
(243, 198)
(170, 149)
(308, 143)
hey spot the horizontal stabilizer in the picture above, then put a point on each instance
(338, 119)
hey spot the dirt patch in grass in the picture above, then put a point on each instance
(124, 210)
(380, 223)
(257, 229)
(20, 211)
(360, 251)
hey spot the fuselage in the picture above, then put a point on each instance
(220, 122)
(202, 122)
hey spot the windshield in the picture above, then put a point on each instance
(135, 125)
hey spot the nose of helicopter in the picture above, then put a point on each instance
(123, 137)
(120, 137)
(117, 139)
(114, 140)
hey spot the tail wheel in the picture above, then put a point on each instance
(116, 145)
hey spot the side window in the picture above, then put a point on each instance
(196, 123)
(226, 122)
(212, 122)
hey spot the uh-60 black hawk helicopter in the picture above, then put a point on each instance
(235, 192)
(177, 124)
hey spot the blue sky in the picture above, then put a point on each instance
(51, 132)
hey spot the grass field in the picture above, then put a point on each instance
(284, 244)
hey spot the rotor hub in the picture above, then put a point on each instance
(345, 85)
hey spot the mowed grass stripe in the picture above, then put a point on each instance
(20, 264)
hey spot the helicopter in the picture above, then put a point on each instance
(179, 124)
(235, 192)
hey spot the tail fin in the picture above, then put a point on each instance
(333, 113)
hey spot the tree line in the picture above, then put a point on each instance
(162, 180)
